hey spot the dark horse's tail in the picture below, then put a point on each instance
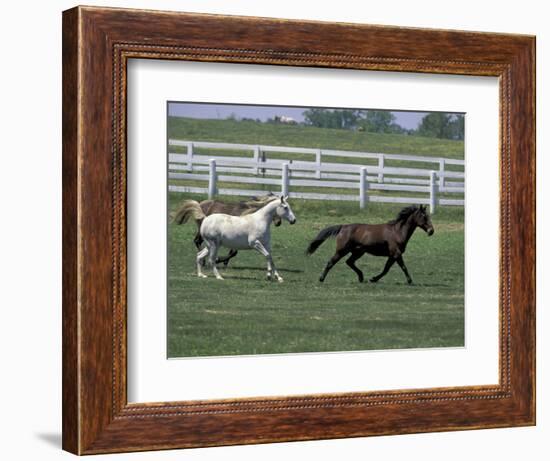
(331, 231)
(188, 209)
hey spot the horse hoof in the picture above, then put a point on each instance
(280, 280)
(373, 280)
(220, 278)
(202, 276)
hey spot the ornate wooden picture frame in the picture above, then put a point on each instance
(97, 44)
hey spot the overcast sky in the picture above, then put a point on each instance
(407, 120)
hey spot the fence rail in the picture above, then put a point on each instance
(289, 173)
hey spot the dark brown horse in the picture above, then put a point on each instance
(208, 207)
(388, 240)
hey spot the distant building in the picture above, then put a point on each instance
(285, 119)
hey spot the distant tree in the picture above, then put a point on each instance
(374, 121)
(316, 117)
(379, 121)
(435, 125)
(396, 129)
(457, 127)
(349, 118)
(332, 118)
(441, 125)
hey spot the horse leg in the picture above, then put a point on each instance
(198, 240)
(200, 258)
(389, 264)
(225, 260)
(271, 271)
(332, 261)
(404, 269)
(351, 263)
(213, 247)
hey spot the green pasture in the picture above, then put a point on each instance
(249, 132)
(246, 314)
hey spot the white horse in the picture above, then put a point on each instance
(249, 232)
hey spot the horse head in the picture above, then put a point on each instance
(423, 220)
(284, 211)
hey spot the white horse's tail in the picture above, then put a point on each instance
(188, 209)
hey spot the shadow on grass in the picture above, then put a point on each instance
(427, 285)
(432, 285)
(251, 278)
(250, 268)
(405, 284)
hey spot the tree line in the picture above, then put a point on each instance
(434, 124)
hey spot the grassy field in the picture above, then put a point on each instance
(245, 314)
(248, 132)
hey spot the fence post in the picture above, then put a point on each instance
(441, 173)
(262, 158)
(284, 180)
(256, 156)
(380, 167)
(318, 163)
(190, 157)
(212, 179)
(433, 191)
(363, 185)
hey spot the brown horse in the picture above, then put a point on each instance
(388, 240)
(208, 207)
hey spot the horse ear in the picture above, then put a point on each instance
(422, 207)
(282, 198)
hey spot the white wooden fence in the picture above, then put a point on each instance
(288, 173)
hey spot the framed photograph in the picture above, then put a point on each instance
(281, 230)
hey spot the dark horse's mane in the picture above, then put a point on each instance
(404, 214)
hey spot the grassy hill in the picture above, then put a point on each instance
(249, 132)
